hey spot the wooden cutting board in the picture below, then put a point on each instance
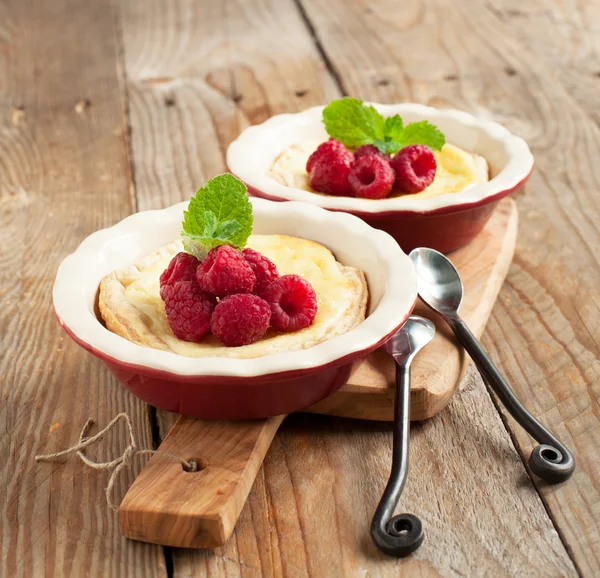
(166, 505)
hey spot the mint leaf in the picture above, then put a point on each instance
(219, 214)
(200, 246)
(394, 126)
(352, 122)
(210, 223)
(423, 133)
(386, 146)
(227, 229)
(414, 133)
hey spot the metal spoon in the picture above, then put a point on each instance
(440, 287)
(403, 534)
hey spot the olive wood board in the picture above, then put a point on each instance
(166, 505)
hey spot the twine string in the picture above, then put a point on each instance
(121, 462)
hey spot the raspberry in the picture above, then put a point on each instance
(224, 271)
(415, 168)
(181, 268)
(329, 166)
(371, 177)
(264, 269)
(330, 146)
(369, 150)
(293, 303)
(240, 319)
(188, 310)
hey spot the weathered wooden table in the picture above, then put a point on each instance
(109, 108)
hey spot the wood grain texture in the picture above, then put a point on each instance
(438, 370)
(565, 36)
(199, 73)
(309, 511)
(543, 334)
(170, 506)
(64, 173)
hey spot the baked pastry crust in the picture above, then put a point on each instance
(119, 314)
(130, 322)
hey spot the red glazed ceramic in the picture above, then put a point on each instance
(231, 388)
(444, 222)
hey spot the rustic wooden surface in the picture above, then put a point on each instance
(64, 172)
(108, 107)
(197, 508)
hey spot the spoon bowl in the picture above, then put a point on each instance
(438, 282)
(415, 334)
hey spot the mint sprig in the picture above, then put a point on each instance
(354, 123)
(219, 214)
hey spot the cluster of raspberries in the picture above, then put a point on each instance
(369, 173)
(236, 295)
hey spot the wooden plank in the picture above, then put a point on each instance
(543, 332)
(199, 73)
(197, 509)
(64, 173)
(309, 511)
(566, 36)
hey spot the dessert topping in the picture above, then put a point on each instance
(329, 169)
(369, 150)
(354, 124)
(371, 177)
(264, 269)
(188, 310)
(210, 287)
(415, 167)
(219, 214)
(240, 319)
(224, 272)
(293, 303)
(335, 170)
(324, 149)
(181, 268)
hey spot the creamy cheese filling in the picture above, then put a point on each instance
(341, 293)
(457, 170)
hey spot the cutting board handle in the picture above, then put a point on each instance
(167, 505)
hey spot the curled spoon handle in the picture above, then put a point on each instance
(398, 535)
(551, 461)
